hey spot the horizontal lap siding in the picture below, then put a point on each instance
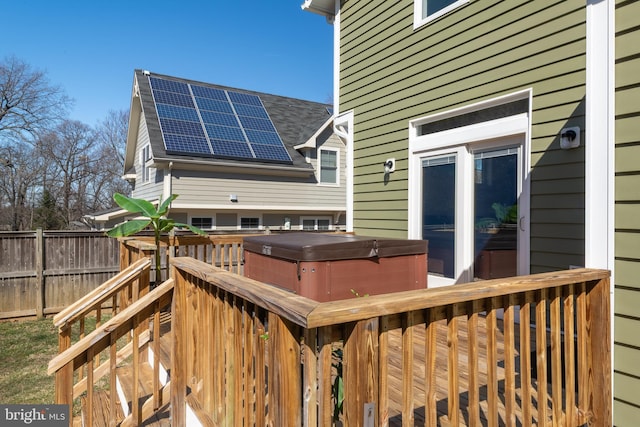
(627, 214)
(391, 74)
(212, 191)
(151, 190)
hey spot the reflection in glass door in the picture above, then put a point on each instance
(495, 213)
(438, 213)
(470, 211)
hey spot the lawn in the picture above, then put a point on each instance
(26, 347)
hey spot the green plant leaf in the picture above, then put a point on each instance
(133, 205)
(164, 207)
(128, 228)
(192, 228)
(166, 224)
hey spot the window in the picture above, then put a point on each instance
(313, 224)
(427, 10)
(328, 166)
(203, 223)
(145, 157)
(249, 223)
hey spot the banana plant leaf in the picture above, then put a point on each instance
(128, 228)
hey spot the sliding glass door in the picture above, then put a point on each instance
(470, 211)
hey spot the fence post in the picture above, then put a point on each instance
(39, 273)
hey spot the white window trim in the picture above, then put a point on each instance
(145, 170)
(456, 140)
(419, 21)
(249, 215)
(316, 218)
(329, 184)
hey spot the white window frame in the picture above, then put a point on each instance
(315, 219)
(250, 216)
(145, 159)
(464, 141)
(337, 181)
(418, 15)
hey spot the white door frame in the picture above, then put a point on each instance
(473, 135)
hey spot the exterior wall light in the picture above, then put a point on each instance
(570, 138)
(389, 166)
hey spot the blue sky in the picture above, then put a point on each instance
(91, 47)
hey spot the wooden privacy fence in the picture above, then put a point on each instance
(41, 272)
(252, 354)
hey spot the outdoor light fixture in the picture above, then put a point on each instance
(570, 138)
(233, 198)
(389, 166)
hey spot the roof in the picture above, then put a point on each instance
(295, 121)
(321, 7)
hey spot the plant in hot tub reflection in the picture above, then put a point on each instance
(504, 214)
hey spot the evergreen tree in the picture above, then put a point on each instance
(47, 214)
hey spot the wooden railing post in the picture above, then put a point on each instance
(64, 377)
(179, 351)
(285, 395)
(361, 373)
(599, 345)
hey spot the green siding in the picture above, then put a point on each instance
(391, 74)
(627, 215)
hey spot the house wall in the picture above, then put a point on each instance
(151, 190)
(391, 74)
(211, 189)
(627, 214)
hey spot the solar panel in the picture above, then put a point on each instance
(201, 120)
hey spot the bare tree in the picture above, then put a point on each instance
(21, 172)
(69, 150)
(111, 137)
(29, 104)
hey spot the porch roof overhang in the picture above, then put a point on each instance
(326, 8)
(312, 142)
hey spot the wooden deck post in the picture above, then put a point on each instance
(599, 345)
(179, 312)
(285, 394)
(361, 373)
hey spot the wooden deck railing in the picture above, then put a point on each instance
(224, 251)
(252, 354)
(121, 337)
(87, 314)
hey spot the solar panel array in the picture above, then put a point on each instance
(200, 120)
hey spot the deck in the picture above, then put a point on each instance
(395, 386)
(246, 353)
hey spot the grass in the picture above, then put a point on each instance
(26, 347)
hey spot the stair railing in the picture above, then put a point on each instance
(108, 338)
(89, 312)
